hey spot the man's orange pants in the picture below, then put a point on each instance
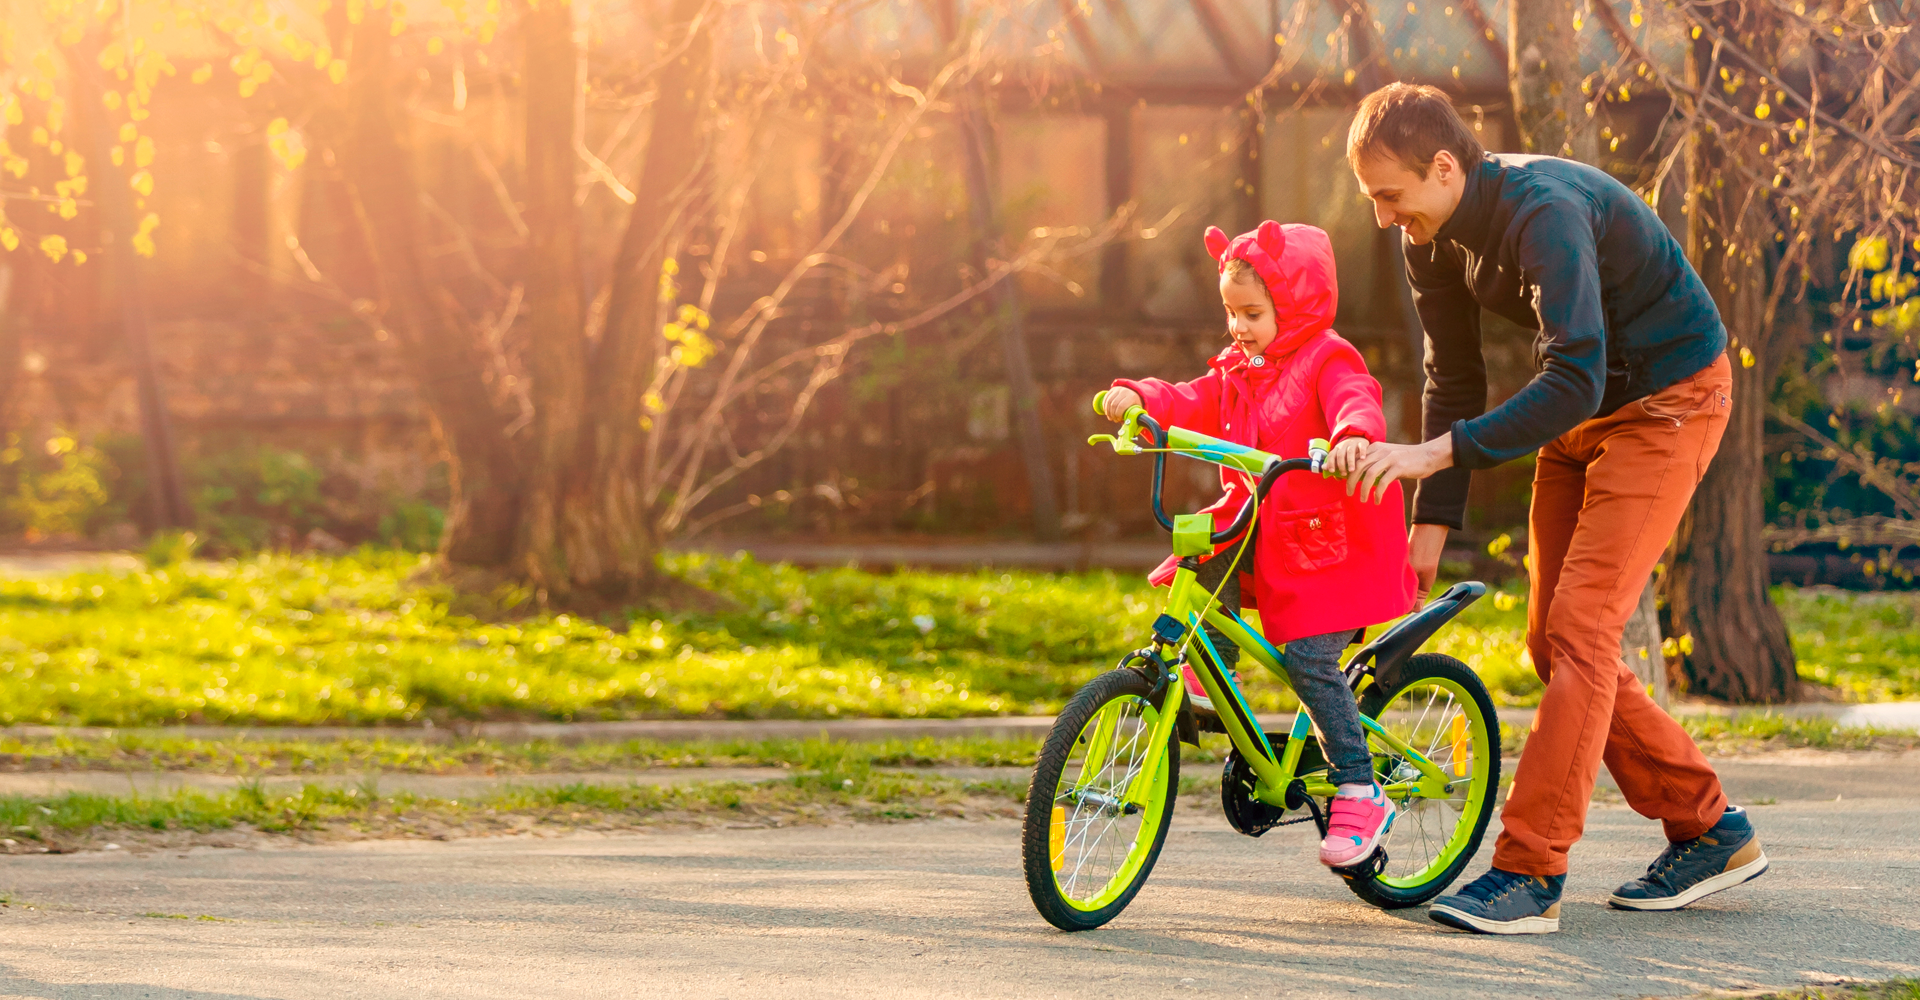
(1607, 497)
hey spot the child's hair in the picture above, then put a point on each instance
(1240, 272)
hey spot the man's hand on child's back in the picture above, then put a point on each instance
(1119, 400)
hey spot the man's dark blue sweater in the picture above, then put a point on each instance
(1562, 248)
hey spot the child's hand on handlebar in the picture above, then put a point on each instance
(1344, 459)
(1119, 400)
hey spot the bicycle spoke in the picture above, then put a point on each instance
(1099, 832)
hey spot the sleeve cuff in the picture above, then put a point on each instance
(1345, 431)
(1467, 453)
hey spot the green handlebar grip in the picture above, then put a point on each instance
(1319, 449)
(1100, 402)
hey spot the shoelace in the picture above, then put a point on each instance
(1667, 861)
(1495, 884)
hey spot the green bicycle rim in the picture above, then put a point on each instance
(1092, 836)
(1441, 749)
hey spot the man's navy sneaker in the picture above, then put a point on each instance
(1503, 902)
(1723, 857)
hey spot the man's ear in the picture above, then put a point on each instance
(1446, 164)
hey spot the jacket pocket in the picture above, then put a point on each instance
(1311, 540)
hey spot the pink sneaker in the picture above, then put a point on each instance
(1355, 825)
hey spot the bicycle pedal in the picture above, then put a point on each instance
(1369, 868)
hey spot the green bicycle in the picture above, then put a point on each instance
(1103, 789)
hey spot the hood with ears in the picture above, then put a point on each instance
(1296, 262)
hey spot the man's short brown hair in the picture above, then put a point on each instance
(1410, 123)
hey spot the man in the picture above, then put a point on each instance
(1627, 408)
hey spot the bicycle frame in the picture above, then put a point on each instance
(1190, 605)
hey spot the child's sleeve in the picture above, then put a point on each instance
(1194, 405)
(1350, 398)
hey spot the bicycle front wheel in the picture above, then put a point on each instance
(1087, 848)
(1438, 706)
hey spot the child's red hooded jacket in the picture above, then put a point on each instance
(1322, 561)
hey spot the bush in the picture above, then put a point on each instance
(242, 496)
(413, 525)
(57, 490)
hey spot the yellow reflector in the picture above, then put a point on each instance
(1461, 751)
(1057, 837)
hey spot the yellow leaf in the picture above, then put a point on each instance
(1762, 110)
(1746, 357)
(69, 208)
(75, 163)
(143, 151)
(276, 126)
(14, 116)
(9, 239)
(118, 155)
(436, 45)
(337, 72)
(142, 182)
(397, 27)
(143, 239)
(322, 57)
(203, 74)
(39, 135)
(79, 257)
(54, 246)
(111, 99)
(127, 132)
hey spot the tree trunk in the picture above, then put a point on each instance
(984, 217)
(606, 531)
(448, 360)
(1718, 594)
(1640, 647)
(555, 356)
(1543, 72)
(164, 486)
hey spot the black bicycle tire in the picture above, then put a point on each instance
(1036, 849)
(1421, 667)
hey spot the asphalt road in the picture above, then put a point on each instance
(939, 910)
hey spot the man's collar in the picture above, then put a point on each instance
(1468, 223)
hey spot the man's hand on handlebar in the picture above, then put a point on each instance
(1119, 400)
(1386, 463)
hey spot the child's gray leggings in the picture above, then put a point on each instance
(1313, 668)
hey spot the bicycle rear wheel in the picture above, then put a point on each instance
(1087, 850)
(1438, 706)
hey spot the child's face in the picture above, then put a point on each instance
(1250, 320)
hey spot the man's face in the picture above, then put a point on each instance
(1419, 205)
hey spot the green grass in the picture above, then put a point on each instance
(1865, 645)
(136, 752)
(829, 781)
(348, 640)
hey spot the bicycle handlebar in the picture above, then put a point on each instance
(1206, 449)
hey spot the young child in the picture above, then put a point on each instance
(1322, 563)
